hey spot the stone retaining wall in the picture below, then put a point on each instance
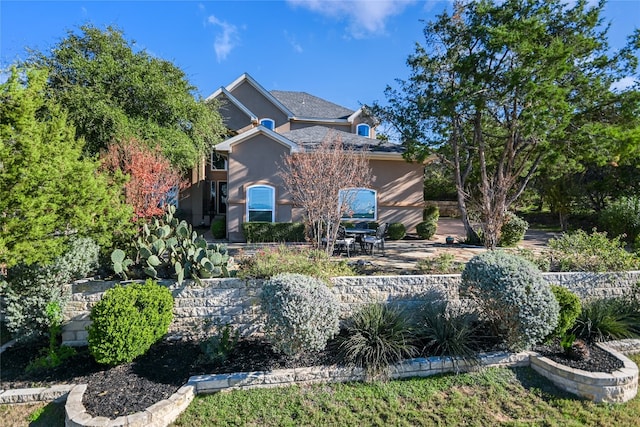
(236, 301)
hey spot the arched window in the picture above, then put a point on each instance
(358, 203)
(261, 202)
(363, 130)
(268, 123)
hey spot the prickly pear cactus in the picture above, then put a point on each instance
(167, 247)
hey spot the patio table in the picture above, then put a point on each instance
(358, 233)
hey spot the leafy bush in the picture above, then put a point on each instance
(444, 263)
(513, 230)
(168, 247)
(448, 331)
(29, 289)
(622, 218)
(218, 347)
(271, 261)
(128, 320)
(301, 313)
(376, 337)
(431, 213)
(512, 296)
(570, 309)
(266, 232)
(396, 231)
(55, 354)
(607, 319)
(579, 251)
(426, 229)
(219, 228)
(541, 260)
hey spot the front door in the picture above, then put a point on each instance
(222, 197)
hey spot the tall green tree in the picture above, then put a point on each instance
(114, 91)
(499, 89)
(48, 190)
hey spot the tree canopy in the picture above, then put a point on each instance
(499, 89)
(113, 91)
(48, 190)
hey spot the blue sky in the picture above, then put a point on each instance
(344, 51)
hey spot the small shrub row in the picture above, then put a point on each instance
(269, 232)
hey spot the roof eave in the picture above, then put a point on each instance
(227, 146)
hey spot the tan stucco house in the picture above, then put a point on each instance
(241, 179)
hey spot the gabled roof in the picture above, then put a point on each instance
(227, 146)
(304, 105)
(222, 92)
(311, 137)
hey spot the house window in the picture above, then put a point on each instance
(218, 162)
(363, 130)
(268, 123)
(261, 203)
(358, 203)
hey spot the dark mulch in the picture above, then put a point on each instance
(130, 388)
(599, 360)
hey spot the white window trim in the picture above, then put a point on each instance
(375, 206)
(273, 201)
(368, 130)
(266, 119)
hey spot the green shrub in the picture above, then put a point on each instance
(271, 261)
(278, 232)
(431, 213)
(444, 263)
(448, 331)
(29, 289)
(512, 296)
(219, 228)
(570, 309)
(622, 218)
(301, 313)
(55, 354)
(396, 231)
(608, 319)
(541, 260)
(128, 320)
(513, 230)
(374, 338)
(579, 251)
(426, 229)
(217, 348)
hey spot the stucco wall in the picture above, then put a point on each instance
(236, 301)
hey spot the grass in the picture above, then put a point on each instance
(510, 397)
(496, 396)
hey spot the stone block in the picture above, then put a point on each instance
(141, 419)
(118, 422)
(210, 383)
(280, 376)
(21, 395)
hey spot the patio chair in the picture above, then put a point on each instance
(377, 240)
(343, 242)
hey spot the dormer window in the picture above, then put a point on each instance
(268, 123)
(363, 130)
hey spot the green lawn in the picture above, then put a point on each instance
(517, 397)
(505, 397)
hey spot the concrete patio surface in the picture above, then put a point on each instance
(403, 255)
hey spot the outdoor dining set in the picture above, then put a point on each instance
(360, 238)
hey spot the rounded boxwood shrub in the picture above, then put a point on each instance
(128, 320)
(513, 297)
(512, 230)
(301, 313)
(570, 309)
(426, 229)
(219, 228)
(431, 213)
(396, 231)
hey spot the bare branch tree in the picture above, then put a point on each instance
(315, 177)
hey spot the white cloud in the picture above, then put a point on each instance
(291, 39)
(624, 83)
(365, 17)
(225, 41)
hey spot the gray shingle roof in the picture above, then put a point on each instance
(301, 104)
(311, 137)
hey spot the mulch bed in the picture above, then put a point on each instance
(132, 387)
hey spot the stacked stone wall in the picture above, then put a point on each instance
(236, 302)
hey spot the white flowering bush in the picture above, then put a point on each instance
(301, 313)
(513, 297)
